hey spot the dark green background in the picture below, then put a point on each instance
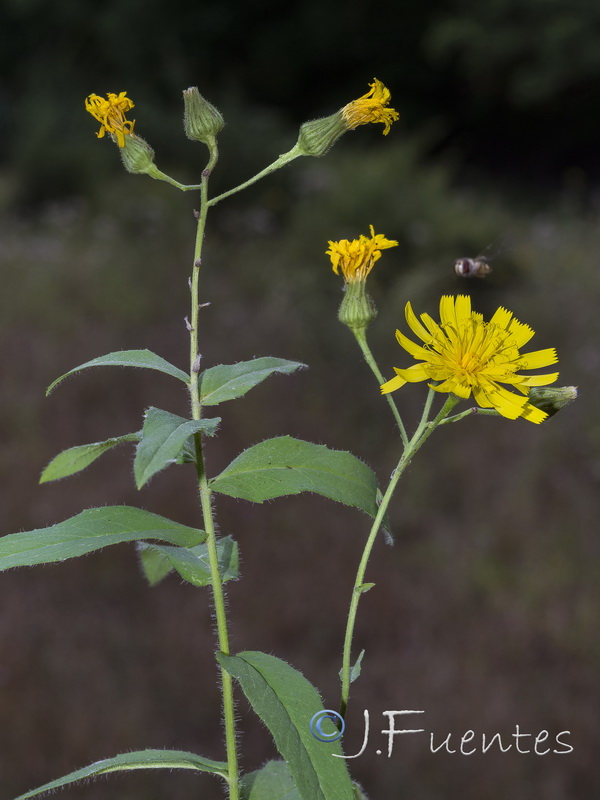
(484, 613)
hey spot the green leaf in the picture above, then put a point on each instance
(141, 759)
(77, 458)
(228, 381)
(191, 563)
(153, 563)
(164, 436)
(286, 702)
(271, 782)
(356, 669)
(127, 358)
(91, 530)
(284, 465)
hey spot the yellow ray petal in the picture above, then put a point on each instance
(533, 414)
(535, 380)
(414, 349)
(521, 333)
(392, 385)
(415, 325)
(413, 374)
(539, 358)
(501, 318)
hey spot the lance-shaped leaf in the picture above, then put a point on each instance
(141, 759)
(145, 359)
(77, 458)
(285, 465)
(164, 436)
(286, 702)
(271, 782)
(191, 563)
(228, 381)
(92, 530)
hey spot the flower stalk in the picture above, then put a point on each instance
(279, 162)
(361, 338)
(462, 356)
(424, 430)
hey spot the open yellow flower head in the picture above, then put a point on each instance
(110, 114)
(355, 259)
(473, 358)
(371, 107)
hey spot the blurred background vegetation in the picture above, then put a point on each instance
(485, 611)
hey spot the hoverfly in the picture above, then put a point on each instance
(472, 267)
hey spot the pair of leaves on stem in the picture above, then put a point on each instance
(167, 435)
(164, 440)
(270, 469)
(286, 702)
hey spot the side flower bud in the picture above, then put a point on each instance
(201, 120)
(551, 399)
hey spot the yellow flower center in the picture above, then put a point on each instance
(470, 363)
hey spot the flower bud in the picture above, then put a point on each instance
(137, 155)
(201, 120)
(551, 399)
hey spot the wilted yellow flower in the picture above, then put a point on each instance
(473, 357)
(318, 135)
(356, 258)
(371, 107)
(111, 114)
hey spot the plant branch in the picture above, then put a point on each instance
(205, 492)
(423, 432)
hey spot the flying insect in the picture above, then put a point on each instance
(472, 267)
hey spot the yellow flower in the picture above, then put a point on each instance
(371, 107)
(473, 357)
(111, 114)
(356, 258)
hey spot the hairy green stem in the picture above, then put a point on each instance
(162, 176)
(283, 159)
(424, 430)
(205, 493)
(490, 412)
(361, 337)
(279, 162)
